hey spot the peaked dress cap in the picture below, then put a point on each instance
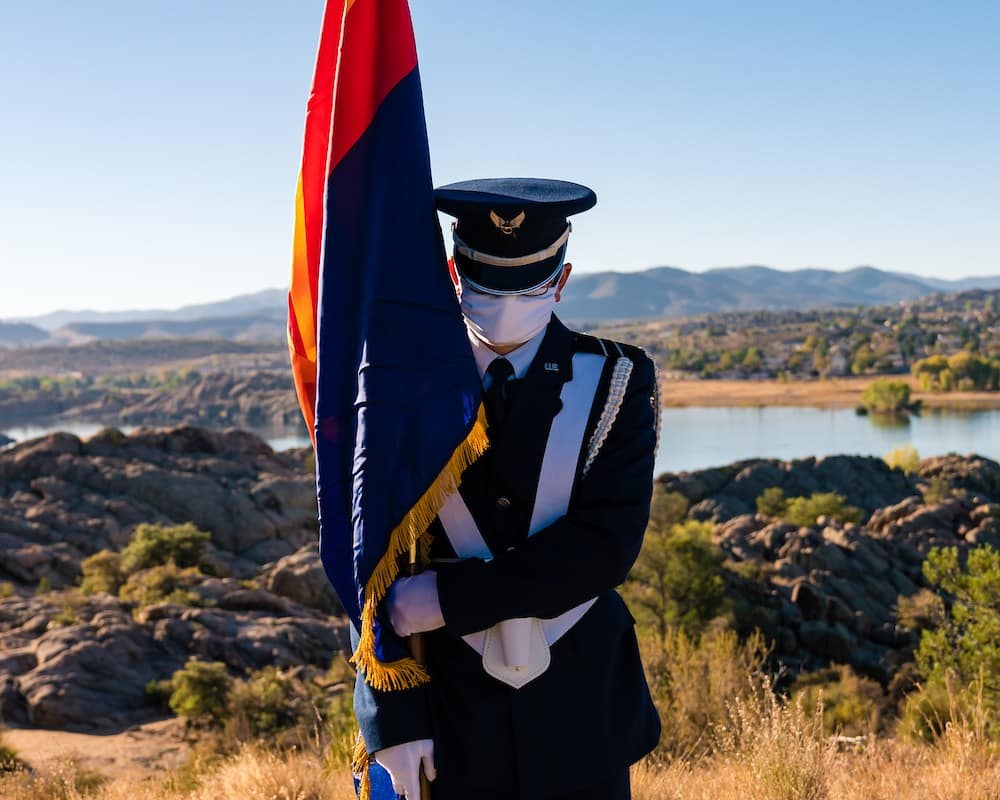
(510, 233)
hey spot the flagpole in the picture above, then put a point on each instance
(417, 651)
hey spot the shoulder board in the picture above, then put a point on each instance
(585, 343)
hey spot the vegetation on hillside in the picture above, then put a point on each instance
(731, 726)
(886, 396)
(691, 649)
(806, 510)
(962, 371)
(948, 341)
(160, 563)
(959, 652)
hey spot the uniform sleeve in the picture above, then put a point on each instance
(584, 553)
(390, 718)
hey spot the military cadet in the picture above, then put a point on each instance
(537, 690)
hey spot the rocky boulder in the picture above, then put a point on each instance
(825, 593)
(972, 473)
(63, 498)
(301, 577)
(260, 400)
(830, 592)
(84, 663)
(721, 493)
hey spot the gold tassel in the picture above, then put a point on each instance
(405, 673)
(360, 764)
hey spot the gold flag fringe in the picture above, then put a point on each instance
(360, 763)
(405, 673)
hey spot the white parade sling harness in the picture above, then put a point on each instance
(516, 651)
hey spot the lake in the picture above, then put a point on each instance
(280, 440)
(698, 437)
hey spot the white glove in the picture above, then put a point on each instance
(403, 761)
(413, 604)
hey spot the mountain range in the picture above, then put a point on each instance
(657, 293)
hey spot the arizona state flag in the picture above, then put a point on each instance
(382, 364)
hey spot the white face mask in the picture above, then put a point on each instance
(509, 319)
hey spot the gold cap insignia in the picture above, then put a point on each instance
(507, 226)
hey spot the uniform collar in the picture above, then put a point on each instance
(520, 358)
(520, 445)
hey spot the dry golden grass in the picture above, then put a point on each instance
(254, 773)
(822, 393)
(727, 736)
(959, 768)
(768, 750)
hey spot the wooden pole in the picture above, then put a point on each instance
(417, 651)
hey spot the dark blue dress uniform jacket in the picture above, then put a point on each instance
(590, 714)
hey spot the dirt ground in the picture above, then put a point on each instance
(833, 392)
(134, 753)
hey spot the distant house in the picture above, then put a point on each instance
(838, 363)
(773, 363)
(948, 342)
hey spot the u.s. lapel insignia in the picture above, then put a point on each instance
(507, 226)
(551, 366)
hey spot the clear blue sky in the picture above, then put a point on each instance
(150, 149)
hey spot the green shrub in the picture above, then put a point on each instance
(966, 645)
(753, 360)
(904, 457)
(883, 394)
(853, 705)
(66, 617)
(44, 585)
(928, 711)
(677, 578)
(339, 720)
(168, 583)
(771, 502)
(6, 589)
(266, 703)
(965, 371)
(155, 545)
(695, 679)
(667, 508)
(863, 360)
(936, 489)
(201, 689)
(102, 572)
(805, 510)
(923, 609)
(281, 707)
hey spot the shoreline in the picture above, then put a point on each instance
(820, 393)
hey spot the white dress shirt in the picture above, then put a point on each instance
(520, 357)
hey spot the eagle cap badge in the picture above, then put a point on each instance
(507, 226)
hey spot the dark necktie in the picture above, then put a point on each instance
(496, 397)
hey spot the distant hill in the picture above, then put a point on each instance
(595, 297)
(16, 334)
(666, 292)
(960, 284)
(266, 325)
(271, 301)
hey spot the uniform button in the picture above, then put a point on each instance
(503, 502)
